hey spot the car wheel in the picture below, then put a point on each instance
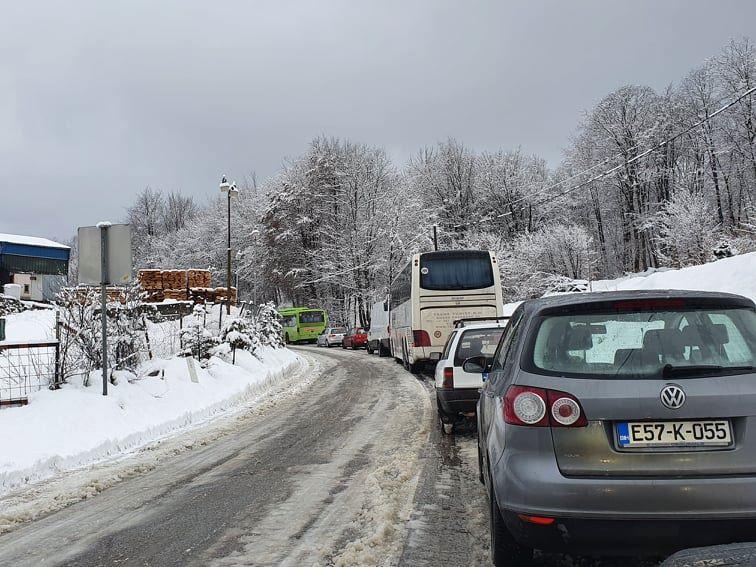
(505, 551)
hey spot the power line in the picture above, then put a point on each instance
(611, 170)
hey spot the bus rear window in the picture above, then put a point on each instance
(449, 272)
(311, 317)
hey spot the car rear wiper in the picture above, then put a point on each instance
(672, 370)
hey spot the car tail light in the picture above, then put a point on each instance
(565, 410)
(448, 377)
(525, 406)
(538, 520)
(421, 338)
(537, 407)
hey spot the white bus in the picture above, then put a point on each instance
(432, 291)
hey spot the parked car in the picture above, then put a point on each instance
(378, 333)
(355, 338)
(621, 422)
(331, 336)
(457, 390)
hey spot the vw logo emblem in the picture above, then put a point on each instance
(672, 396)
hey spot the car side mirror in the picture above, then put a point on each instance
(475, 364)
(435, 356)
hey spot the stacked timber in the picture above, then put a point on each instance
(176, 294)
(174, 279)
(221, 295)
(199, 278)
(150, 280)
(202, 294)
(153, 295)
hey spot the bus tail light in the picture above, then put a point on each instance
(448, 381)
(421, 338)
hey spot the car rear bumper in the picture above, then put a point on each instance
(631, 537)
(527, 480)
(458, 400)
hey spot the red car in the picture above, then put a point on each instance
(354, 339)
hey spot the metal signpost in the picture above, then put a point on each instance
(104, 258)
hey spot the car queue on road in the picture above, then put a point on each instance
(607, 423)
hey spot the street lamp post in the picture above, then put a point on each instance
(231, 191)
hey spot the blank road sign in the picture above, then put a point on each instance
(119, 254)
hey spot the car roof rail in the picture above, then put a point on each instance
(458, 323)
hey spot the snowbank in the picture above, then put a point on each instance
(77, 425)
(732, 275)
(35, 325)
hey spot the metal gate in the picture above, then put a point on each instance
(27, 367)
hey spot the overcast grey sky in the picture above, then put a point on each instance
(99, 99)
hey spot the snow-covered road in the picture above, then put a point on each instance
(324, 475)
(343, 464)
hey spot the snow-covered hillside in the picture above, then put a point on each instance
(732, 275)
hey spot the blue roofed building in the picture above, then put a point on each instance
(39, 265)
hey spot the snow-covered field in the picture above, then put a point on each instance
(76, 425)
(732, 275)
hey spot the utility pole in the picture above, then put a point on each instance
(104, 281)
(435, 237)
(230, 190)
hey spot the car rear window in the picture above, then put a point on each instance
(477, 342)
(338, 331)
(650, 344)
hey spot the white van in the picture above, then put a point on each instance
(378, 334)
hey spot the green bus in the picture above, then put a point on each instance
(302, 324)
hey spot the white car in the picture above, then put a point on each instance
(457, 390)
(332, 336)
(378, 335)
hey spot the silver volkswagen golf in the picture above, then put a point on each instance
(621, 423)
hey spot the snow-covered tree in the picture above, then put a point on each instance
(688, 230)
(267, 326)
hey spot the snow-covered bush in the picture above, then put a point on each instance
(81, 330)
(268, 326)
(239, 333)
(196, 340)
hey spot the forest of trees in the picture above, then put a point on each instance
(336, 224)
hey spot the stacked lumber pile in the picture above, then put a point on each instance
(199, 278)
(153, 296)
(150, 280)
(221, 295)
(202, 294)
(174, 279)
(176, 294)
(179, 285)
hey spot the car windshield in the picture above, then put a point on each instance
(311, 317)
(645, 343)
(477, 342)
(648, 344)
